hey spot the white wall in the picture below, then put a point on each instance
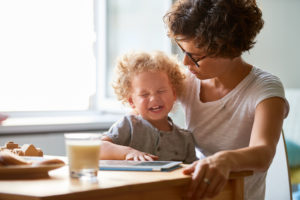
(277, 49)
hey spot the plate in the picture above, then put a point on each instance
(27, 171)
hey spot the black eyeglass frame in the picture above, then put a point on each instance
(189, 54)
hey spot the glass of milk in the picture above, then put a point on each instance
(83, 152)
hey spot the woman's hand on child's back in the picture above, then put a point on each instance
(140, 156)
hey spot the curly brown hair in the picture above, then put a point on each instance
(222, 28)
(132, 63)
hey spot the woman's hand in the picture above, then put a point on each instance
(209, 176)
(140, 156)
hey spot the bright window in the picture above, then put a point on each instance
(59, 55)
(47, 60)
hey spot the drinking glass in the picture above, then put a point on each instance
(83, 152)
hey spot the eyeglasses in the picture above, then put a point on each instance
(195, 61)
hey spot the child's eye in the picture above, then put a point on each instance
(162, 91)
(144, 95)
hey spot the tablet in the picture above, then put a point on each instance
(127, 165)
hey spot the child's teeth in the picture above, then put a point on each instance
(155, 108)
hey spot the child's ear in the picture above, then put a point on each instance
(131, 103)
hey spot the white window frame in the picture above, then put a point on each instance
(104, 103)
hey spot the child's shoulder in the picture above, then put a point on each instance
(180, 130)
(125, 119)
(183, 131)
(126, 122)
(133, 119)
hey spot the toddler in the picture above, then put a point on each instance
(149, 83)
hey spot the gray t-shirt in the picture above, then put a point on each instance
(138, 133)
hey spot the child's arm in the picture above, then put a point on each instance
(111, 151)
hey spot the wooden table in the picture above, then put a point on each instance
(113, 185)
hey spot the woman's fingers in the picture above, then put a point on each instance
(206, 185)
(213, 183)
(216, 189)
(189, 169)
(208, 179)
(198, 175)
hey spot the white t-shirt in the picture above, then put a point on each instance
(226, 124)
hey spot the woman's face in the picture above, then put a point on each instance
(208, 67)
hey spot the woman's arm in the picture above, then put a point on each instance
(265, 134)
(211, 173)
(111, 151)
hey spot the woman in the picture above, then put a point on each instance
(234, 109)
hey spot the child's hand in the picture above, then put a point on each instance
(140, 156)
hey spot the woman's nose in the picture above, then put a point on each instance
(186, 60)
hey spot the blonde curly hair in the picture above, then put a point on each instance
(132, 63)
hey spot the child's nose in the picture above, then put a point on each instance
(154, 97)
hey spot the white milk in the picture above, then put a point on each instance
(83, 155)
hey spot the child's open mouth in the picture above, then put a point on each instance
(156, 108)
